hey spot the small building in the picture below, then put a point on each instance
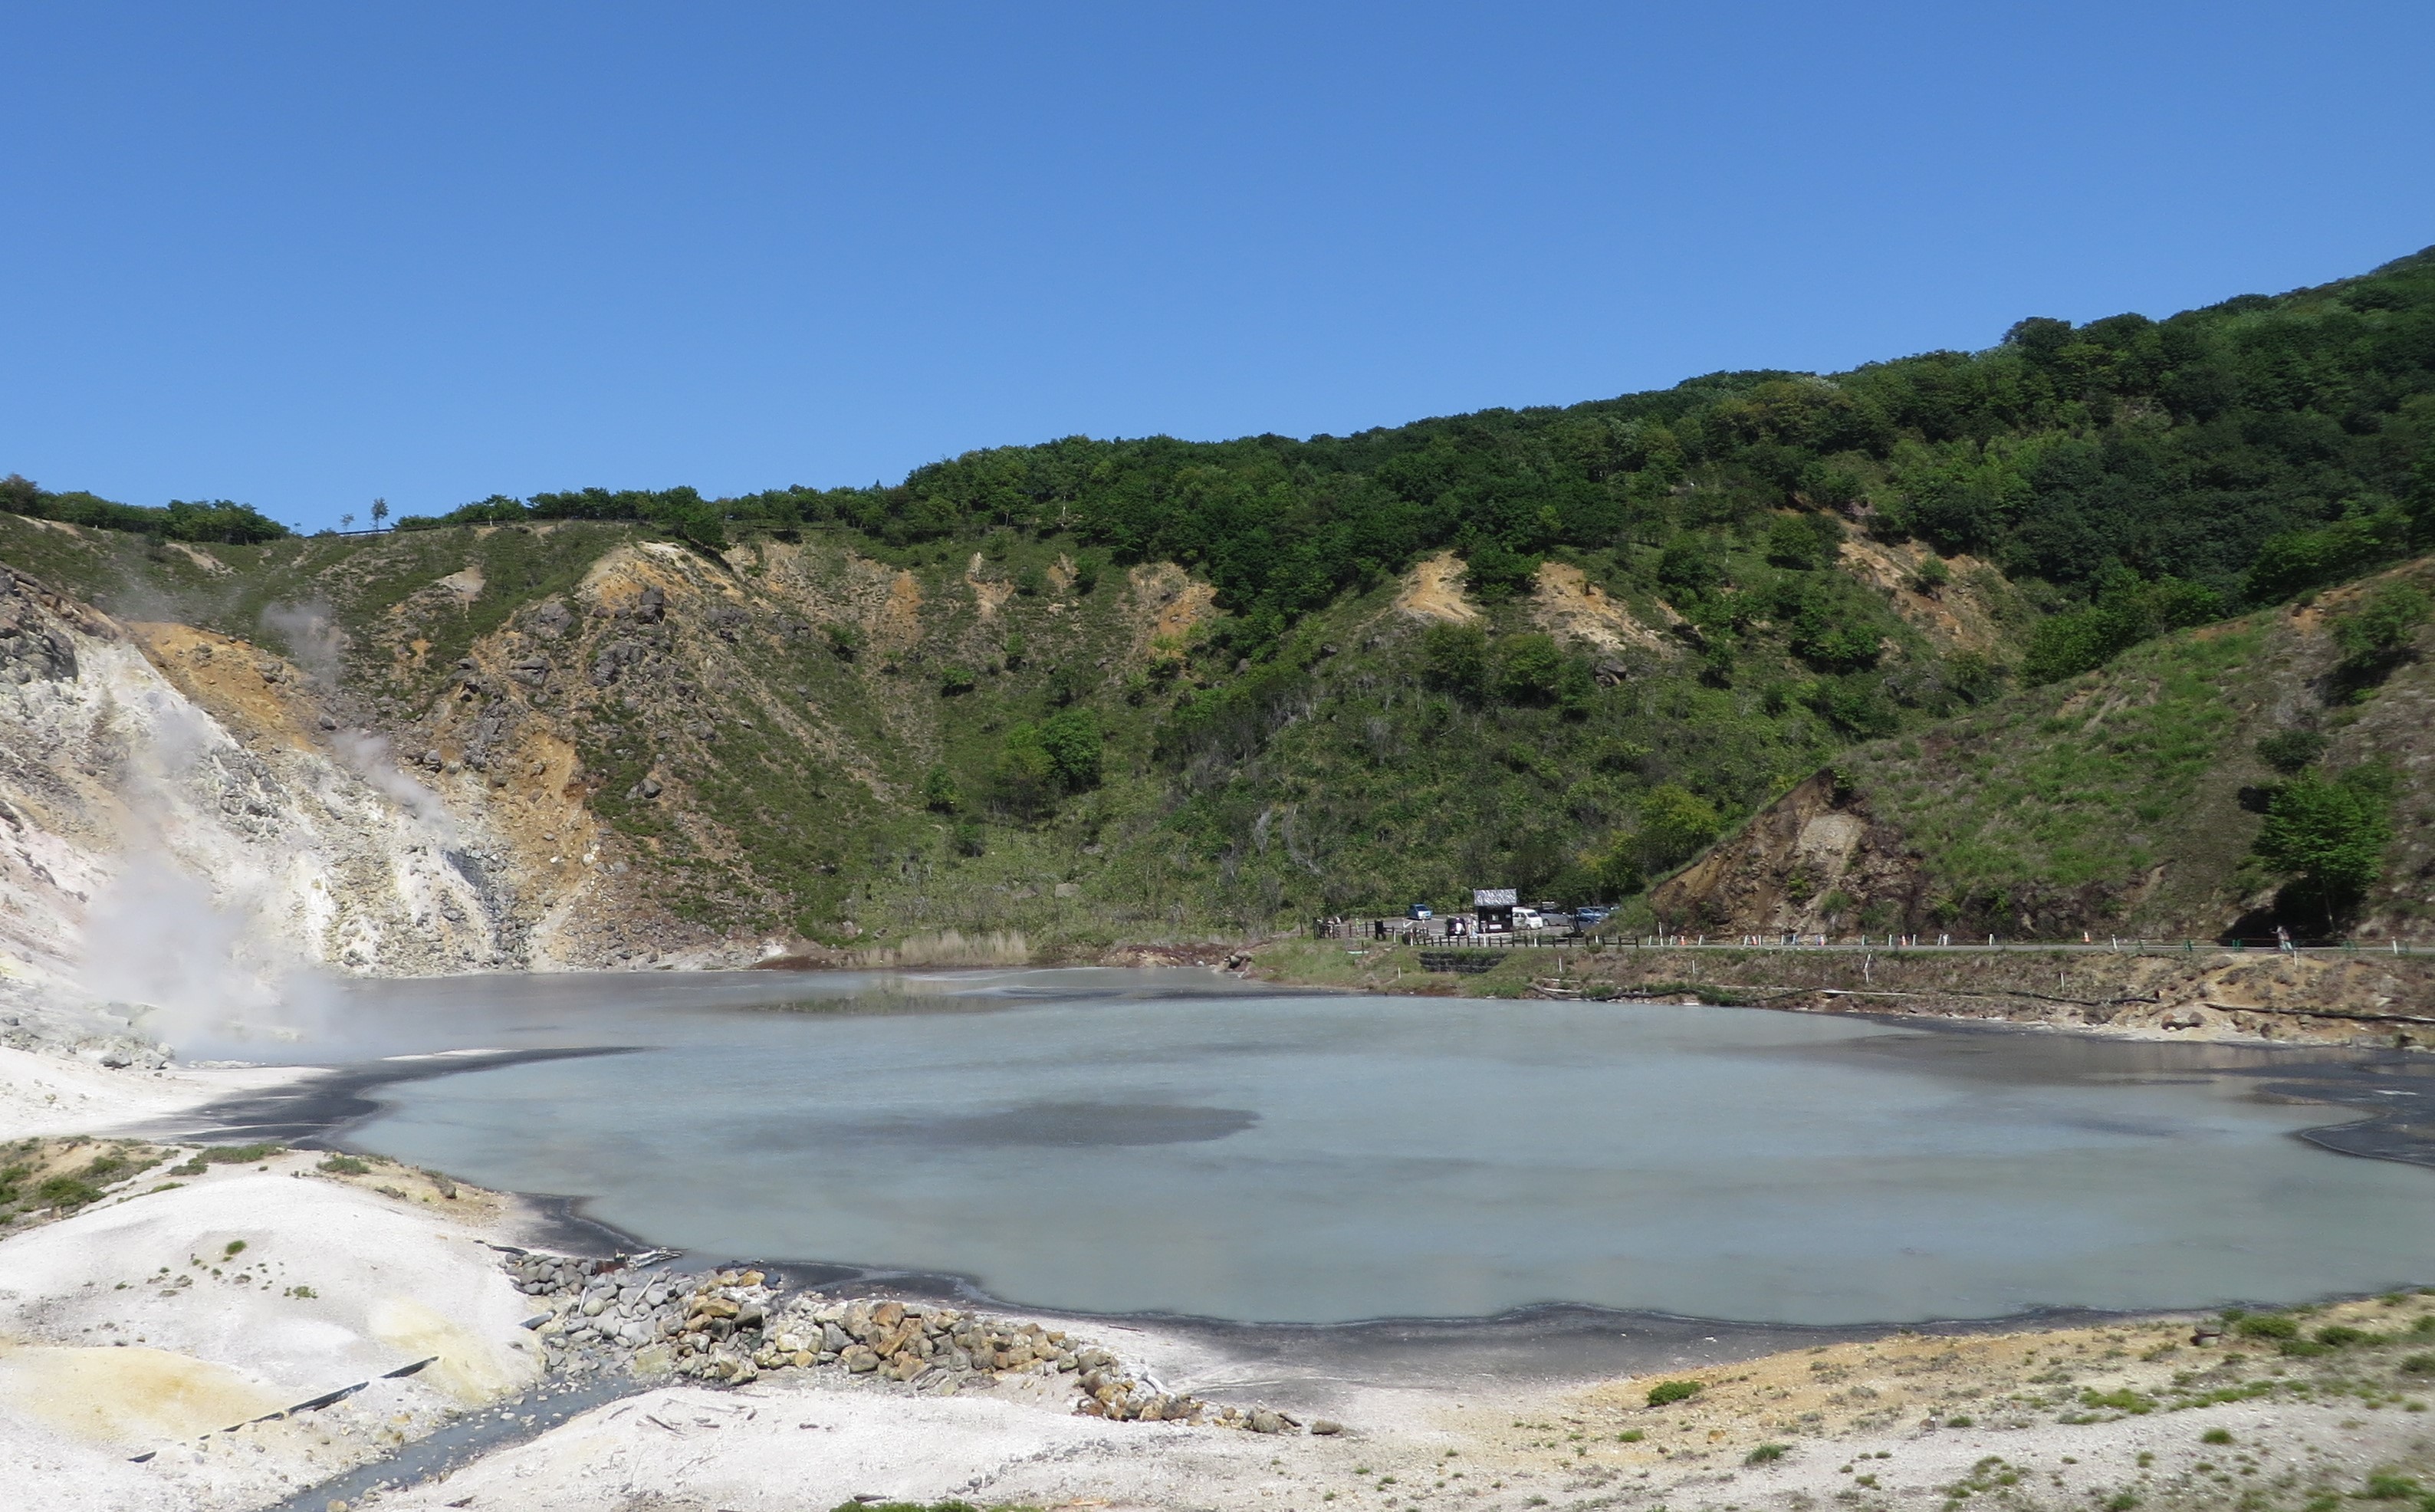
(1494, 907)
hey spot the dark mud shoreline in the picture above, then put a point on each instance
(320, 1105)
(2393, 1090)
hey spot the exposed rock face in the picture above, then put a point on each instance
(28, 650)
(1565, 603)
(1433, 590)
(184, 821)
(1809, 862)
(1819, 861)
(730, 1327)
(1964, 612)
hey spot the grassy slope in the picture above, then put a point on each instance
(2082, 786)
(2127, 798)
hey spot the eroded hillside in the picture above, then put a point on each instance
(1065, 699)
(2127, 800)
(639, 750)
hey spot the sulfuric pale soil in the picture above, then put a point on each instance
(1899, 1421)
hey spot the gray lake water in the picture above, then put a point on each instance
(1115, 1142)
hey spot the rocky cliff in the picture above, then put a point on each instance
(187, 824)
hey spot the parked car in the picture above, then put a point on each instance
(1590, 913)
(1420, 910)
(1528, 919)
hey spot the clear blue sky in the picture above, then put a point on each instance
(303, 254)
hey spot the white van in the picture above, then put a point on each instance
(1528, 919)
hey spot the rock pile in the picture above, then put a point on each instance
(601, 1312)
(728, 1327)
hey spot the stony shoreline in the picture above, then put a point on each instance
(728, 1327)
(2365, 1001)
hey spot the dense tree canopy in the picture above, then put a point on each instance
(2250, 450)
(178, 520)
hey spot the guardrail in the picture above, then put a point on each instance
(1433, 934)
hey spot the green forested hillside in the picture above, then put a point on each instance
(1662, 611)
(2289, 428)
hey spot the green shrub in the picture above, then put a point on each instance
(345, 1165)
(1803, 542)
(1674, 824)
(2419, 1364)
(2299, 560)
(1025, 777)
(2125, 613)
(1497, 573)
(237, 1155)
(1454, 659)
(2339, 1336)
(66, 1193)
(1532, 667)
(939, 794)
(2386, 1486)
(2216, 1435)
(2289, 751)
(2265, 1326)
(1668, 1392)
(1767, 1453)
(2385, 624)
(2121, 1400)
(1073, 739)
